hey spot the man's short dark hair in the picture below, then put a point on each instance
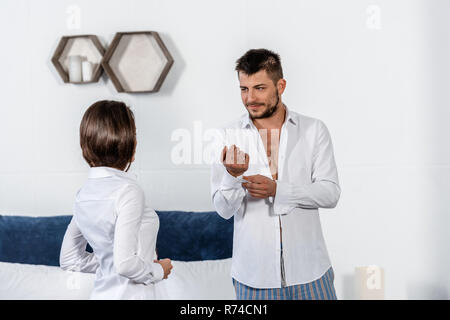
(255, 60)
(108, 134)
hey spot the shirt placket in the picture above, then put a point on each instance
(281, 157)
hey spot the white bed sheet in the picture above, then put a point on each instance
(197, 280)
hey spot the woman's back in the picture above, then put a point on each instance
(108, 194)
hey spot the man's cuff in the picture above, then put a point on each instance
(281, 203)
(230, 182)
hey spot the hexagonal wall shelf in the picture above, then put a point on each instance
(137, 61)
(85, 48)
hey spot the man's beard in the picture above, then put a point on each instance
(269, 112)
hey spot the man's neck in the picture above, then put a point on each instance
(275, 121)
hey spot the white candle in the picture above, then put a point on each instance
(75, 69)
(87, 71)
(369, 283)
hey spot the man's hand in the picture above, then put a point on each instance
(235, 160)
(260, 186)
(166, 264)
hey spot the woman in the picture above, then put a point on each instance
(110, 212)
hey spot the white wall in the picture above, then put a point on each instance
(380, 85)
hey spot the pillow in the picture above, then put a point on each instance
(199, 280)
(39, 282)
(188, 280)
(32, 240)
(194, 236)
(182, 236)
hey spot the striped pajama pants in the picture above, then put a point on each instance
(320, 289)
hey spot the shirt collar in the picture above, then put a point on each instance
(246, 121)
(103, 172)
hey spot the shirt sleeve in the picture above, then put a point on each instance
(73, 255)
(130, 207)
(227, 191)
(323, 191)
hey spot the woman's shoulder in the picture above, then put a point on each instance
(130, 191)
(131, 187)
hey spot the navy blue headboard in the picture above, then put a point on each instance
(182, 236)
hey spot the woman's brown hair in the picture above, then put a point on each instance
(108, 135)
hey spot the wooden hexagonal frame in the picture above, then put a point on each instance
(60, 51)
(137, 61)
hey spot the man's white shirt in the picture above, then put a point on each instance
(307, 181)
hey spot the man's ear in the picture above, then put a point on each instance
(281, 85)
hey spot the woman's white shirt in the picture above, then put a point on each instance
(111, 215)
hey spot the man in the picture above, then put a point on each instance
(288, 161)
